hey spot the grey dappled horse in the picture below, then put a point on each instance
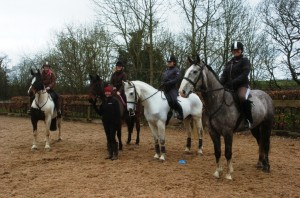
(223, 115)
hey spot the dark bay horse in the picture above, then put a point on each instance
(96, 91)
(223, 114)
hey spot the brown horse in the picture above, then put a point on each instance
(96, 91)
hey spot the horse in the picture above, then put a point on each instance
(96, 90)
(43, 108)
(156, 109)
(224, 117)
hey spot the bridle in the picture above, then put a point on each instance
(39, 92)
(136, 97)
(205, 91)
(200, 76)
(95, 90)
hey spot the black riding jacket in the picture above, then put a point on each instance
(110, 111)
(235, 73)
(170, 78)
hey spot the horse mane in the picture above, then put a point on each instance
(212, 71)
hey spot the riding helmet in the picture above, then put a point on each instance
(46, 64)
(172, 59)
(119, 63)
(237, 46)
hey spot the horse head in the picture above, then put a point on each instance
(132, 96)
(96, 88)
(193, 77)
(36, 83)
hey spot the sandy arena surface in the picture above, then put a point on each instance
(75, 167)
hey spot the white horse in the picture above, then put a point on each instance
(156, 109)
(42, 108)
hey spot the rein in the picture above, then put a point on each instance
(135, 96)
(209, 91)
(36, 102)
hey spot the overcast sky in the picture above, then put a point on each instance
(27, 26)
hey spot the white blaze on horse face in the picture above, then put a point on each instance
(33, 80)
(130, 96)
(186, 87)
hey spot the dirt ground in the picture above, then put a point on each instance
(75, 167)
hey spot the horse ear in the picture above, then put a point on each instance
(38, 71)
(97, 77)
(198, 58)
(130, 83)
(190, 60)
(91, 77)
(31, 71)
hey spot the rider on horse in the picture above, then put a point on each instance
(170, 79)
(235, 77)
(116, 81)
(49, 81)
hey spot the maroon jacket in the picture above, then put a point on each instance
(49, 79)
(117, 78)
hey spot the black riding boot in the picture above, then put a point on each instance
(247, 107)
(179, 111)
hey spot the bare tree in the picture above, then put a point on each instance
(133, 23)
(282, 19)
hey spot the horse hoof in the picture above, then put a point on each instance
(34, 148)
(228, 176)
(259, 165)
(266, 169)
(187, 150)
(47, 148)
(216, 174)
(200, 152)
(162, 158)
(59, 139)
(156, 156)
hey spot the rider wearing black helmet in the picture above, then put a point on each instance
(116, 80)
(170, 79)
(235, 77)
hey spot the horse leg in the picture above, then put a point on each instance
(138, 128)
(156, 142)
(256, 133)
(228, 154)
(161, 133)
(130, 124)
(34, 125)
(47, 132)
(217, 148)
(265, 144)
(59, 128)
(199, 128)
(188, 128)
